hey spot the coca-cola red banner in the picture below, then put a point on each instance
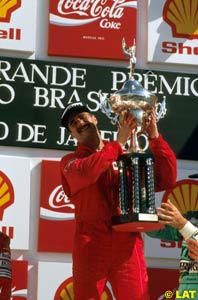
(93, 29)
(56, 222)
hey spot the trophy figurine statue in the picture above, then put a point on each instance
(135, 167)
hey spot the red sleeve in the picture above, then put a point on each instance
(79, 173)
(165, 164)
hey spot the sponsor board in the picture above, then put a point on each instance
(56, 212)
(173, 31)
(18, 25)
(184, 195)
(15, 200)
(60, 283)
(92, 29)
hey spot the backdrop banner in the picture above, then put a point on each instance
(33, 95)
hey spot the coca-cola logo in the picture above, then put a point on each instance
(78, 13)
(56, 202)
(59, 199)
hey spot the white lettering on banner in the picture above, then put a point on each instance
(181, 86)
(93, 97)
(4, 131)
(63, 140)
(45, 97)
(78, 73)
(67, 77)
(21, 73)
(149, 82)
(52, 98)
(93, 10)
(117, 79)
(42, 97)
(57, 197)
(4, 67)
(74, 97)
(75, 77)
(12, 94)
(106, 24)
(109, 135)
(27, 133)
(96, 8)
(176, 85)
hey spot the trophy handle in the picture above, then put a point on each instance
(146, 142)
(106, 108)
(160, 109)
(134, 143)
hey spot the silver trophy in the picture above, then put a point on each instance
(135, 167)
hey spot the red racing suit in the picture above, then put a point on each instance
(101, 254)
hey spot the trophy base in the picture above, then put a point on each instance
(136, 222)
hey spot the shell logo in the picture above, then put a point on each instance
(184, 196)
(65, 291)
(6, 193)
(7, 8)
(182, 16)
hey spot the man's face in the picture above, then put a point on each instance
(81, 125)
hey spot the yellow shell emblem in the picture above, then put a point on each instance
(182, 16)
(184, 195)
(66, 292)
(7, 7)
(6, 193)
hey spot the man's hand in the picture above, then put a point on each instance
(126, 124)
(169, 215)
(152, 129)
(193, 249)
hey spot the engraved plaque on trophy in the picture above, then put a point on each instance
(135, 167)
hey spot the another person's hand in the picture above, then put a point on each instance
(126, 124)
(193, 249)
(169, 215)
(152, 129)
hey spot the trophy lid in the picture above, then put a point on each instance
(138, 97)
(132, 95)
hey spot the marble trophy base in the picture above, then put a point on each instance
(136, 222)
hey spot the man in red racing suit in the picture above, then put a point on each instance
(90, 181)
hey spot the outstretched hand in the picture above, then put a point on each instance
(192, 246)
(169, 215)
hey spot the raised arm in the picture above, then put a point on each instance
(165, 163)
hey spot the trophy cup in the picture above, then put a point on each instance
(135, 167)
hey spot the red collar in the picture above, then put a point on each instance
(83, 148)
